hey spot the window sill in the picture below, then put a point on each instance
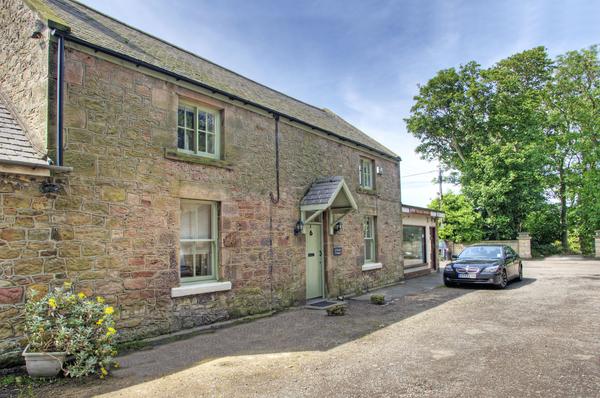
(371, 266)
(366, 191)
(199, 288)
(176, 154)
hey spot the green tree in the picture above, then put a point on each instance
(573, 102)
(488, 124)
(461, 222)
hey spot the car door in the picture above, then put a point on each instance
(510, 261)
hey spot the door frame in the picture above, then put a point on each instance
(434, 247)
(322, 261)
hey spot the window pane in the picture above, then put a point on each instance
(210, 123)
(201, 120)
(189, 119)
(189, 140)
(195, 259)
(203, 252)
(181, 117)
(368, 227)
(181, 138)
(201, 142)
(413, 244)
(210, 143)
(196, 220)
(368, 250)
(186, 260)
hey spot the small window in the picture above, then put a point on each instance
(198, 130)
(365, 173)
(369, 238)
(198, 247)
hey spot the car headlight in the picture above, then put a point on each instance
(448, 267)
(493, 268)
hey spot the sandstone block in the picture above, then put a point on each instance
(12, 234)
(113, 194)
(10, 295)
(79, 264)
(29, 266)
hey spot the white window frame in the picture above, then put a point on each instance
(196, 109)
(365, 173)
(214, 222)
(369, 239)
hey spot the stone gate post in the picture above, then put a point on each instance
(524, 245)
(597, 244)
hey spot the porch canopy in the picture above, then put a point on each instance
(329, 194)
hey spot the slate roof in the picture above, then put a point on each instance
(14, 143)
(321, 191)
(101, 30)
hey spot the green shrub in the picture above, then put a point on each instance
(337, 310)
(544, 250)
(378, 299)
(63, 321)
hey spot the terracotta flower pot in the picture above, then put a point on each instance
(43, 364)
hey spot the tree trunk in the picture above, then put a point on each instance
(563, 208)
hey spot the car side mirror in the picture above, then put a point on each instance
(454, 257)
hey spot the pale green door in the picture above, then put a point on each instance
(314, 261)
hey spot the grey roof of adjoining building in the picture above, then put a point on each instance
(14, 143)
(101, 30)
(321, 191)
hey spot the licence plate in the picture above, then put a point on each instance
(467, 276)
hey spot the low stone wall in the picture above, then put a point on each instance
(522, 245)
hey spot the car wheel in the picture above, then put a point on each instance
(503, 280)
(520, 278)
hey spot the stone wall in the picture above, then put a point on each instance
(24, 68)
(113, 228)
(522, 245)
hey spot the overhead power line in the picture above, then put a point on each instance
(420, 174)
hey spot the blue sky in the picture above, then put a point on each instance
(362, 59)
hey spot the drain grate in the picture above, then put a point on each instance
(322, 305)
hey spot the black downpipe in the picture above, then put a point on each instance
(273, 199)
(60, 60)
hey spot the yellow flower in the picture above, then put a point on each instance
(67, 285)
(52, 302)
(109, 310)
(110, 331)
(104, 372)
(100, 321)
(100, 300)
(116, 365)
(81, 295)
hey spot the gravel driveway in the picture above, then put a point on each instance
(539, 337)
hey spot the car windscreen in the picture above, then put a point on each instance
(485, 252)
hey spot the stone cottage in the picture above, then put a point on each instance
(181, 191)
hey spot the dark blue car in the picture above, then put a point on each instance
(485, 265)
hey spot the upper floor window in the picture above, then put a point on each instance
(199, 130)
(365, 173)
(198, 240)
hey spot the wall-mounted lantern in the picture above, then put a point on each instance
(298, 228)
(337, 227)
